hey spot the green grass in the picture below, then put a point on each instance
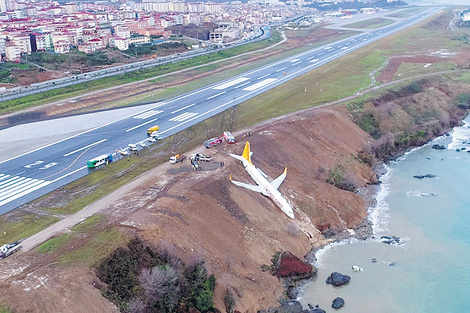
(371, 23)
(74, 90)
(97, 248)
(12, 65)
(4, 309)
(54, 244)
(414, 69)
(335, 80)
(22, 227)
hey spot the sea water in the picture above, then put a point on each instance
(430, 271)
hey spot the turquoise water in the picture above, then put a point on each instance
(431, 271)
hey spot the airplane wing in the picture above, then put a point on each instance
(278, 181)
(247, 186)
(262, 173)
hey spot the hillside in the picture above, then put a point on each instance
(234, 230)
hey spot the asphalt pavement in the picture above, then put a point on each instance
(61, 148)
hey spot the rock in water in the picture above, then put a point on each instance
(337, 279)
(392, 240)
(424, 176)
(438, 147)
(291, 306)
(337, 303)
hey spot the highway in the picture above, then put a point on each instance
(27, 176)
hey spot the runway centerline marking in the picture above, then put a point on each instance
(220, 93)
(243, 85)
(188, 106)
(148, 122)
(263, 76)
(86, 147)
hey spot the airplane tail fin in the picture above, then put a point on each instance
(246, 153)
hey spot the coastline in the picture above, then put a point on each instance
(373, 196)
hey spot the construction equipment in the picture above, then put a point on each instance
(177, 158)
(200, 157)
(9, 249)
(154, 56)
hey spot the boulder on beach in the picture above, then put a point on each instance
(289, 265)
(337, 279)
(312, 309)
(290, 306)
(337, 303)
(438, 147)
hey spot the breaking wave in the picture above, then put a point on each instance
(460, 137)
(378, 214)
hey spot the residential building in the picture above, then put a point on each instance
(12, 53)
(62, 46)
(120, 43)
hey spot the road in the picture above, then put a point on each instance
(29, 175)
(261, 33)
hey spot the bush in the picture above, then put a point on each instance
(140, 280)
(229, 301)
(337, 179)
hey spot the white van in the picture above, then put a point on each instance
(132, 147)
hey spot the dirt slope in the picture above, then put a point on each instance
(203, 215)
(236, 230)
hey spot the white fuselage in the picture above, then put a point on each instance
(268, 189)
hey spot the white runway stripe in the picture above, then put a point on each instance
(148, 114)
(260, 84)
(14, 187)
(23, 193)
(12, 182)
(231, 83)
(182, 117)
(294, 60)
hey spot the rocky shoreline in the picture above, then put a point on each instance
(363, 231)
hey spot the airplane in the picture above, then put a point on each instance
(269, 189)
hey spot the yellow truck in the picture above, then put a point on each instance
(152, 130)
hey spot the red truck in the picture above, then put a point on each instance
(212, 142)
(229, 137)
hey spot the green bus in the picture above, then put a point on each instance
(102, 159)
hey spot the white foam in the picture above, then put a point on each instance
(319, 254)
(419, 194)
(460, 137)
(378, 214)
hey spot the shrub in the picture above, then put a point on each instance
(229, 301)
(140, 280)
